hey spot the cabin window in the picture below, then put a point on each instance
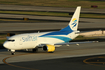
(11, 40)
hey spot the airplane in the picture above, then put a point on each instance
(46, 40)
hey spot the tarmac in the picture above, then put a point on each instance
(84, 57)
(35, 27)
(53, 23)
(49, 9)
(65, 57)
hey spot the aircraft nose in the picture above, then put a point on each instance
(6, 44)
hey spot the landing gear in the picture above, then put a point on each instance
(35, 49)
(12, 52)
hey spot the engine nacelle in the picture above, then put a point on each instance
(49, 48)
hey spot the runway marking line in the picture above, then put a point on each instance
(4, 60)
(94, 63)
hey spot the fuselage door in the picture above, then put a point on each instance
(20, 41)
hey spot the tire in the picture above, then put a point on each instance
(35, 50)
(12, 53)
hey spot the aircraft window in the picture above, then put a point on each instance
(11, 40)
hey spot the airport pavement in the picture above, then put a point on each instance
(47, 18)
(85, 56)
(85, 23)
(35, 27)
(49, 9)
(74, 63)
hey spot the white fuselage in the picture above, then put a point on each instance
(31, 40)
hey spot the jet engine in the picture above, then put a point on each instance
(49, 48)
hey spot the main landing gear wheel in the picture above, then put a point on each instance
(12, 53)
(35, 50)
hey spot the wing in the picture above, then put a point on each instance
(77, 43)
(69, 43)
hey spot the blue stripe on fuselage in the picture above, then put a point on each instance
(65, 39)
(67, 30)
(56, 33)
(64, 31)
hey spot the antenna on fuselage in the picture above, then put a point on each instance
(38, 31)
